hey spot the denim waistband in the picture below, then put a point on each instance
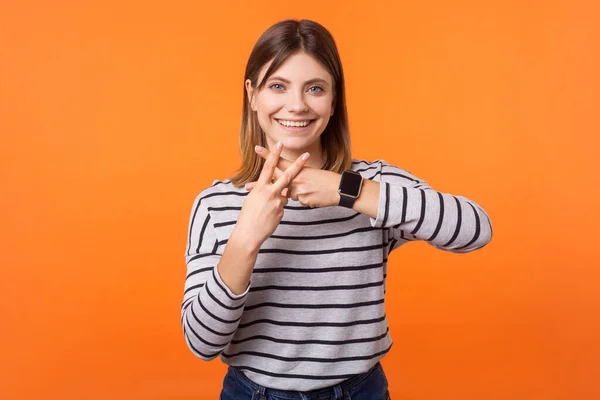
(341, 388)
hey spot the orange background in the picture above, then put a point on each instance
(115, 115)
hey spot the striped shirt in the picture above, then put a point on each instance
(313, 313)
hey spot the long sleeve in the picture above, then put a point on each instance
(210, 312)
(415, 211)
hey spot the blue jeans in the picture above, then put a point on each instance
(371, 385)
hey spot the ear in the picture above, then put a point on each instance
(250, 92)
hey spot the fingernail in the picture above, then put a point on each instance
(279, 145)
(305, 156)
(258, 148)
(248, 186)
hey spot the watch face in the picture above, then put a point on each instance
(350, 184)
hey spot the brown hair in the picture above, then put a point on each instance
(277, 43)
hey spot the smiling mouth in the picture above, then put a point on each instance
(292, 124)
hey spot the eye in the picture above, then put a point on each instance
(275, 84)
(317, 87)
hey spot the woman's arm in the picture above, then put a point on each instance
(395, 199)
(211, 311)
(414, 210)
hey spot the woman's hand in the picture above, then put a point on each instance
(262, 209)
(311, 187)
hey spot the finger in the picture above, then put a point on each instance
(250, 185)
(267, 172)
(282, 164)
(291, 172)
(286, 192)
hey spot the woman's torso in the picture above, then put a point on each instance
(314, 314)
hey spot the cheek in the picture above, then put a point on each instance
(268, 106)
(322, 106)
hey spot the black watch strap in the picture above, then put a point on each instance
(346, 201)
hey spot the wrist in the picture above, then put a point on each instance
(243, 241)
(336, 179)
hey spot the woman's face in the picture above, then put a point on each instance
(299, 91)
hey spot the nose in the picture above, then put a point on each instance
(296, 102)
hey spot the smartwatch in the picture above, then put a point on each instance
(349, 189)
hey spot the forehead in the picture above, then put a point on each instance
(299, 67)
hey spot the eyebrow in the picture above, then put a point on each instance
(307, 82)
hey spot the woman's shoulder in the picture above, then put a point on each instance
(377, 168)
(218, 190)
(365, 167)
(358, 163)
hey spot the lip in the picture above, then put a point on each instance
(295, 120)
(297, 129)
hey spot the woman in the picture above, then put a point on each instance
(287, 260)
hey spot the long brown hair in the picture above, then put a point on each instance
(277, 43)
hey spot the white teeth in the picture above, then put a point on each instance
(293, 123)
